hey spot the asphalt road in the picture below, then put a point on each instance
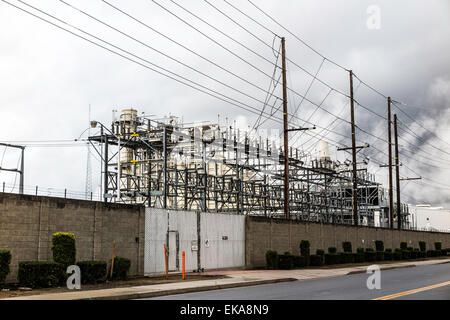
(432, 282)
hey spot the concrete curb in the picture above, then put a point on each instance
(381, 268)
(142, 295)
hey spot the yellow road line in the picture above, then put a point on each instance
(405, 293)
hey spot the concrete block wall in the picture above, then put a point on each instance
(264, 234)
(27, 224)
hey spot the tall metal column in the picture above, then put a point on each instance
(355, 178)
(285, 133)
(397, 175)
(391, 196)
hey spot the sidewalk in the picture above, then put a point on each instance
(236, 278)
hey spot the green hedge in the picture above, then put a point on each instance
(286, 261)
(414, 253)
(332, 250)
(299, 262)
(5, 260)
(406, 254)
(271, 260)
(370, 255)
(388, 255)
(423, 246)
(438, 246)
(304, 250)
(316, 260)
(403, 245)
(379, 246)
(92, 271)
(38, 274)
(398, 254)
(331, 258)
(431, 253)
(121, 268)
(359, 257)
(422, 254)
(360, 250)
(379, 256)
(63, 248)
(347, 246)
(320, 252)
(347, 257)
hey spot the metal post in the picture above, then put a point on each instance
(355, 178)
(391, 196)
(165, 167)
(285, 132)
(105, 183)
(22, 172)
(397, 175)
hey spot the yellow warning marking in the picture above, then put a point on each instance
(405, 293)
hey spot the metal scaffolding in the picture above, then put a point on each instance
(165, 163)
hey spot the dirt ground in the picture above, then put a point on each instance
(141, 281)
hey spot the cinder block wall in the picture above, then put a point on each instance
(27, 224)
(264, 234)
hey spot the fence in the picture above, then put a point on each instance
(52, 192)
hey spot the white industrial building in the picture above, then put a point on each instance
(426, 217)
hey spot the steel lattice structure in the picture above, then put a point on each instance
(164, 163)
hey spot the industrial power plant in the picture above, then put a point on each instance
(165, 163)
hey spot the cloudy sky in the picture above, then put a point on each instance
(49, 77)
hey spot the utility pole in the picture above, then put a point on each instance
(21, 171)
(391, 195)
(285, 133)
(397, 175)
(355, 178)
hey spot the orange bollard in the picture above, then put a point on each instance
(165, 260)
(184, 259)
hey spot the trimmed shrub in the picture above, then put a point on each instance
(414, 253)
(347, 246)
(299, 262)
(398, 254)
(410, 248)
(304, 250)
(331, 258)
(271, 260)
(379, 256)
(121, 268)
(379, 245)
(320, 252)
(423, 246)
(445, 252)
(431, 253)
(406, 254)
(403, 246)
(63, 248)
(5, 260)
(369, 255)
(422, 254)
(438, 253)
(39, 274)
(388, 255)
(286, 261)
(388, 250)
(360, 250)
(359, 257)
(347, 257)
(332, 250)
(438, 246)
(316, 260)
(92, 271)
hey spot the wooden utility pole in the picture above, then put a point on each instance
(285, 133)
(397, 175)
(391, 195)
(355, 178)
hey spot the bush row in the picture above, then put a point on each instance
(289, 261)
